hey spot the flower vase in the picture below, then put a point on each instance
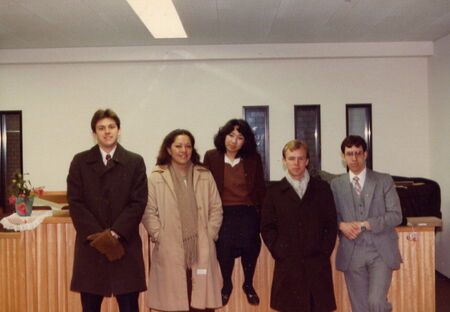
(24, 206)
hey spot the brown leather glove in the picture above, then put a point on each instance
(105, 243)
(93, 236)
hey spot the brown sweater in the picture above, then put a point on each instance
(235, 190)
(254, 175)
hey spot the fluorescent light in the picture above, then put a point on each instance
(160, 17)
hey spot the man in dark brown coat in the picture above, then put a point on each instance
(299, 227)
(107, 194)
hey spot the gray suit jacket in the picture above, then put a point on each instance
(381, 209)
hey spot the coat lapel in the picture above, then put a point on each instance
(119, 158)
(197, 173)
(368, 191)
(347, 194)
(289, 191)
(120, 155)
(218, 160)
(94, 160)
(165, 173)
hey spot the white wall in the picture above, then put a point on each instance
(154, 97)
(439, 68)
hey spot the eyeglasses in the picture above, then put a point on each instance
(356, 153)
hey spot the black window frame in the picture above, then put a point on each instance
(246, 111)
(4, 178)
(368, 125)
(318, 134)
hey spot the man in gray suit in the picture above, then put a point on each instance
(368, 209)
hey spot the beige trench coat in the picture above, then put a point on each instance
(168, 285)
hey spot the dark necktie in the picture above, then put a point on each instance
(108, 160)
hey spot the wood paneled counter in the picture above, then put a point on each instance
(36, 268)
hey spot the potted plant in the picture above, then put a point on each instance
(23, 194)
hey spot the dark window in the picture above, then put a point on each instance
(359, 122)
(10, 151)
(307, 129)
(258, 119)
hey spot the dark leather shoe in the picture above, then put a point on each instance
(225, 298)
(252, 296)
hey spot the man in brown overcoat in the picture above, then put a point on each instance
(299, 227)
(107, 194)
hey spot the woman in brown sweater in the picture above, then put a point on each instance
(238, 172)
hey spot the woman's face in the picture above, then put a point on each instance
(234, 141)
(181, 150)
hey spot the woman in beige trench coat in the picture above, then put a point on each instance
(183, 277)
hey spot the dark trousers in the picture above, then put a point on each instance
(127, 302)
(238, 237)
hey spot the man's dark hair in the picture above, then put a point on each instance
(164, 157)
(104, 113)
(353, 140)
(249, 147)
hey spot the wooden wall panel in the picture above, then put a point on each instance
(36, 268)
(413, 286)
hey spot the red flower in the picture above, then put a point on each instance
(21, 208)
(39, 191)
(22, 195)
(12, 199)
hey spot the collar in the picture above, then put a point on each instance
(362, 176)
(105, 153)
(232, 163)
(164, 168)
(296, 183)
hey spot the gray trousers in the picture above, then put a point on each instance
(368, 279)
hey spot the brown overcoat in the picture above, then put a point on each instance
(300, 234)
(168, 284)
(103, 197)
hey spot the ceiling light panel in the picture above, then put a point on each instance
(160, 17)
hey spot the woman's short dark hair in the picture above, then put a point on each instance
(164, 157)
(249, 147)
(353, 140)
(104, 113)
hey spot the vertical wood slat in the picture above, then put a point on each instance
(36, 269)
(412, 288)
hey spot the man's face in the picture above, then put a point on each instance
(355, 158)
(296, 162)
(106, 133)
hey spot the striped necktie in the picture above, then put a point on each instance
(357, 186)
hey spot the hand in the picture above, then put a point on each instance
(105, 243)
(351, 230)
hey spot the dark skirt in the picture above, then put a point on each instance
(239, 231)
